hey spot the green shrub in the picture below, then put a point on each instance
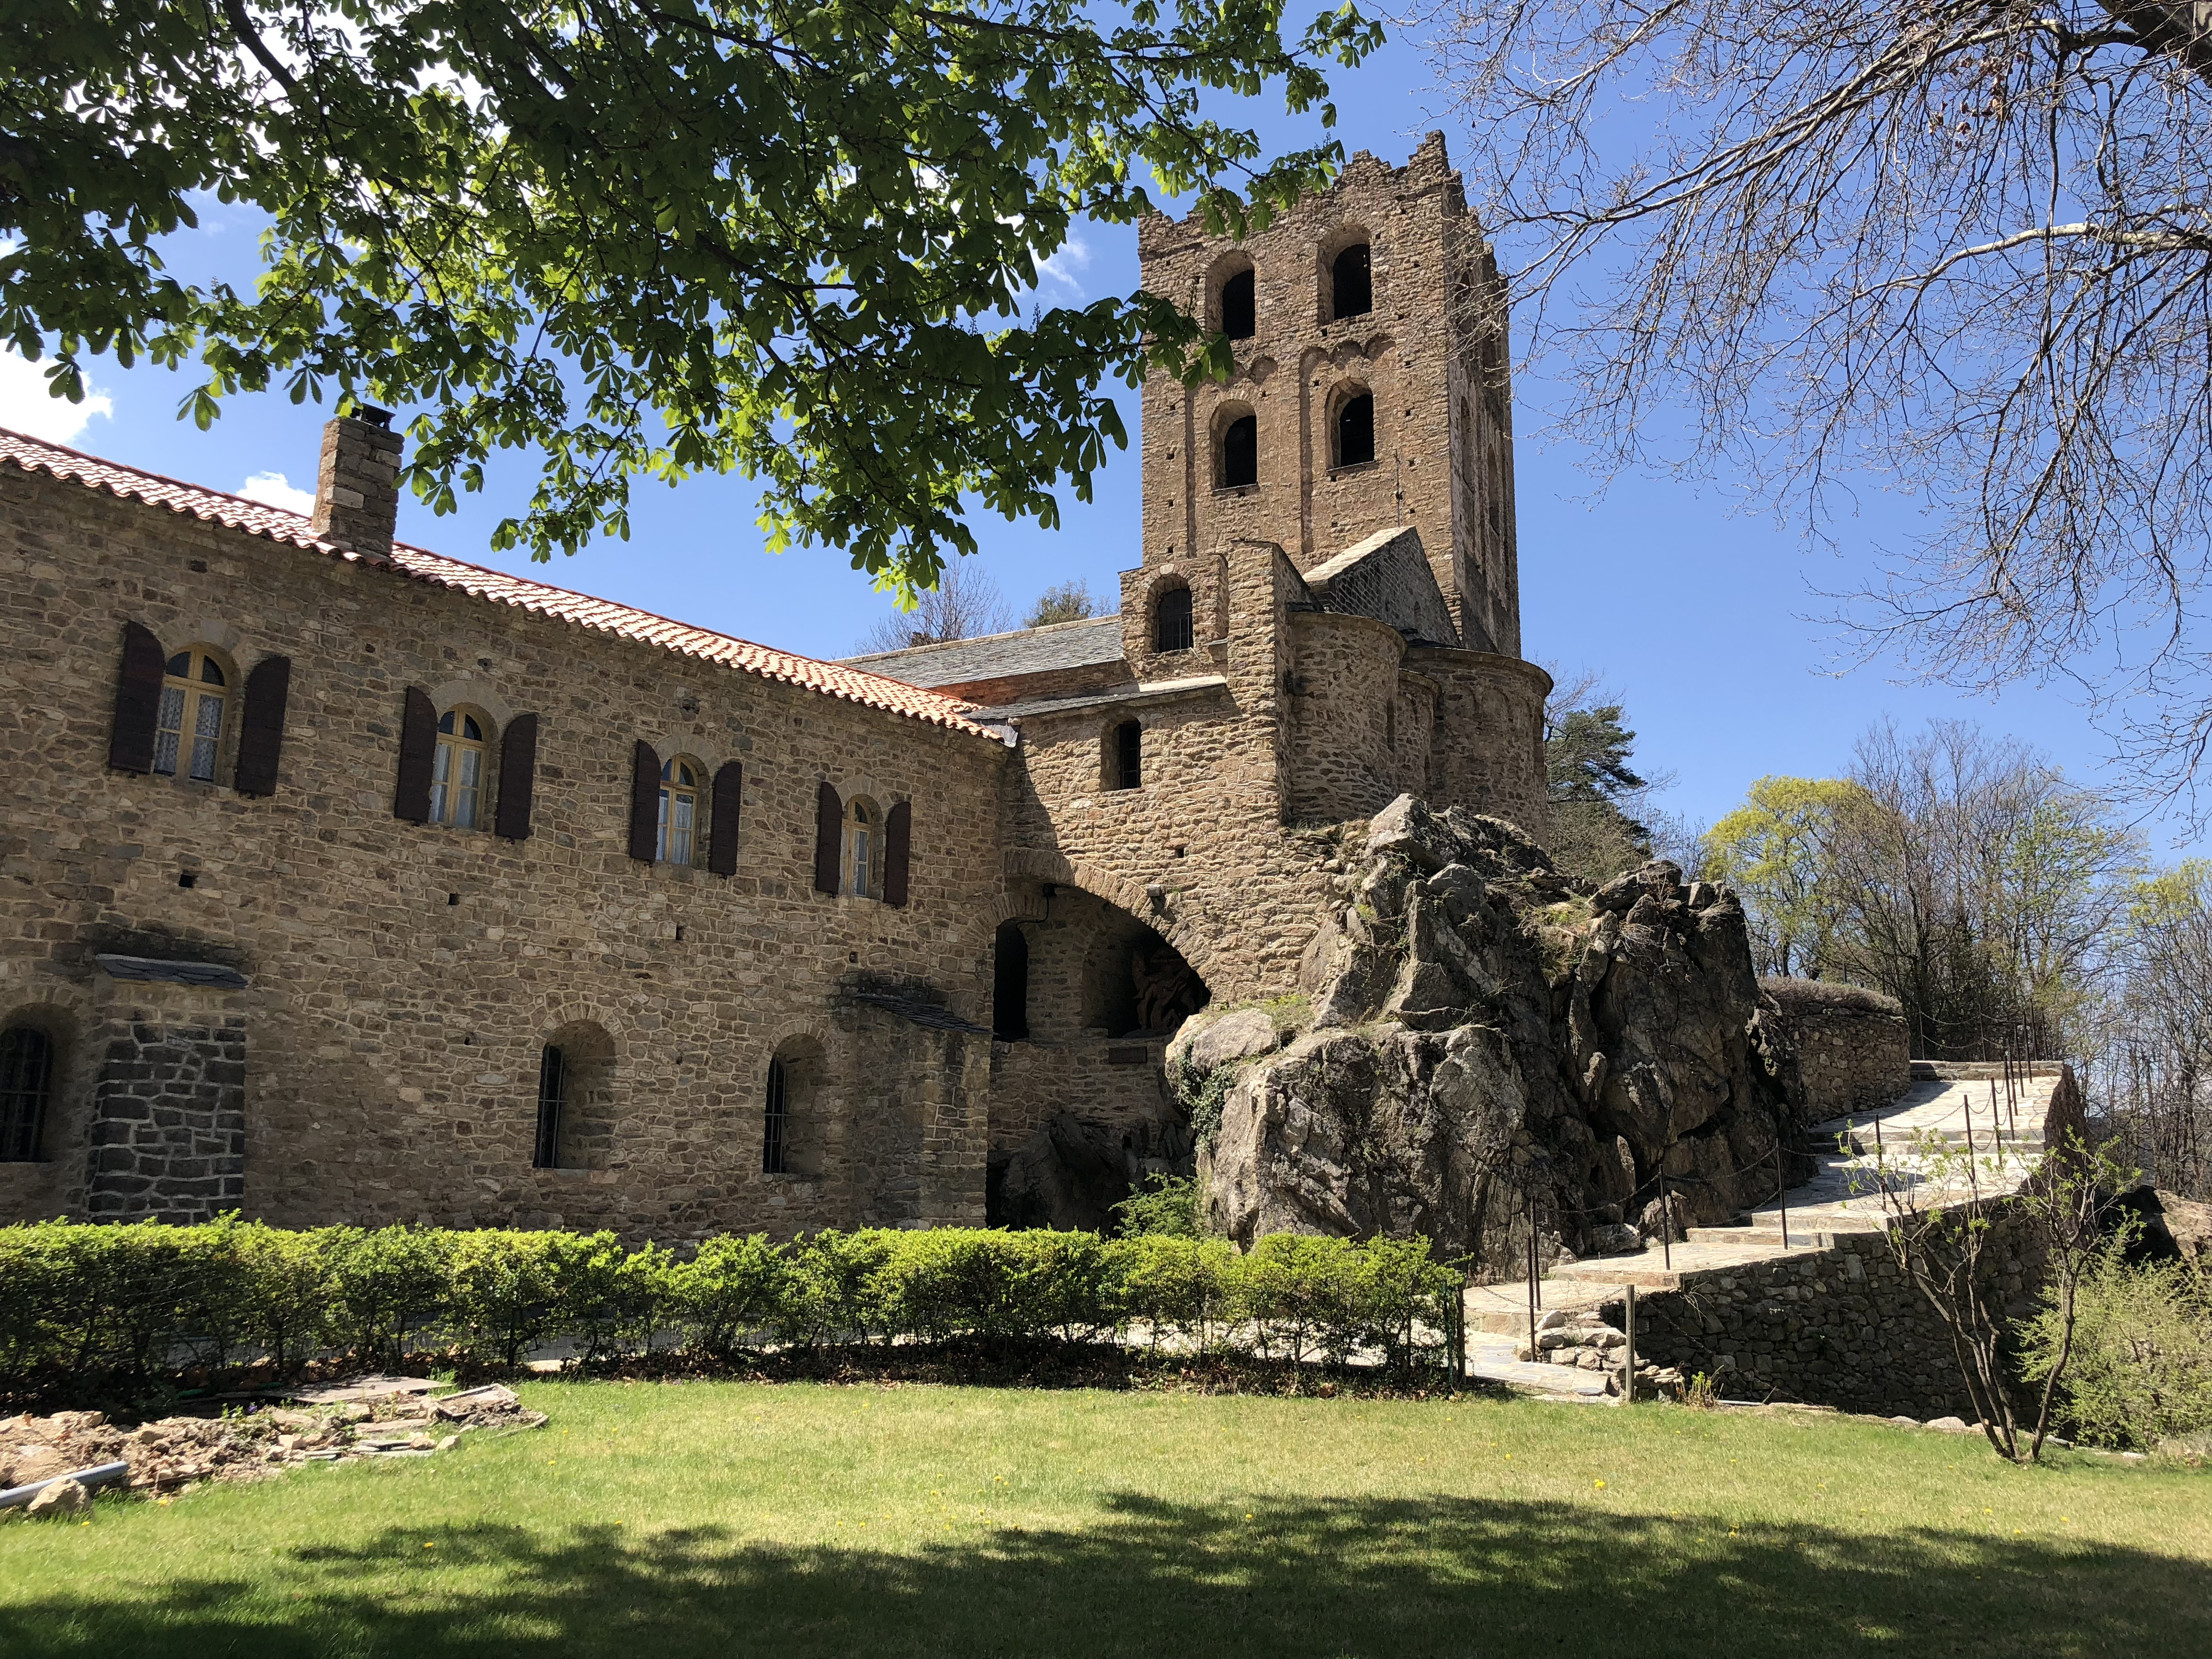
(2140, 1370)
(101, 1303)
(734, 1286)
(833, 1292)
(1183, 1289)
(289, 1274)
(508, 1291)
(385, 1286)
(1162, 1205)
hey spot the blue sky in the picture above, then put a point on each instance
(1694, 605)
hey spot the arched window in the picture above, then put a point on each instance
(1125, 756)
(1355, 430)
(457, 773)
(1352, 283)
(27, 1087)
(1171, 625)
(1240, 453)
(195, 692)
(677, 835)
(1010, 983)
(775, 1120)
(552, 1096)
(863, 842)
(1239, 310)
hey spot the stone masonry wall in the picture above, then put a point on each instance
(1843, 1327)
(168, 1131)
(1489, 739)
(1442, 433)
(1346, 738)
(1237, 895)
(408, 975)
(1852, 1059)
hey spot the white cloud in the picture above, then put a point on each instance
(26, 405)
(271, 489)
(1070, 258)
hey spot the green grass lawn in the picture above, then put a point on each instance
(655, 1520)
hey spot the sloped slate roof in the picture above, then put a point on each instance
(1002, 656)
(600, 616)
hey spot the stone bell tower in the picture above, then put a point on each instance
(1372, 390)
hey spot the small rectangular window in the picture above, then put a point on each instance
(552, 1083)
(775, 1120)
(1128, 755)
(27, 1081)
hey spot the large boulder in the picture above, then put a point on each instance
(1495, 1050)
(1204, 1044)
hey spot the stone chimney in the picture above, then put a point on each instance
(358, 488)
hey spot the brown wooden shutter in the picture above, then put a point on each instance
(898, 846)
(261, 726)
(828, 838)
(419, 753)
(728, 807)
(518, 777)
(644, 803)
(137, 701)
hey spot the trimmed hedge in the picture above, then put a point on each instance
(134, 1303)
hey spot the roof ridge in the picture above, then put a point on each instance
(604, 616)
(982, 639)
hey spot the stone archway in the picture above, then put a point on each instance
(1081, 1109)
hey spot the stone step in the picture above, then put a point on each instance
(1618, 1270)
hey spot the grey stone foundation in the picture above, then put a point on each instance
(168, 1128)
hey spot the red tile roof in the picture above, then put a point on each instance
(601, 615)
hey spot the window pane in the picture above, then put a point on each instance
(210, 673)
(859, 888)
(168, 726)
(680, 829)
(445, 722)
(470, 730)
(25, 1082)
(441, 772)
(776, 1119)
(181, 665)
(207, 731)
(660, 827)
(465, 797)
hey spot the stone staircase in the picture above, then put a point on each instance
(1949, 1106)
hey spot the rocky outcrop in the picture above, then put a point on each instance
(1496, 1049)
(1072, 1172)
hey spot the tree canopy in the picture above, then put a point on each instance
(794, 241)
(1599, 803)
(1959, 873)
(1964, 246)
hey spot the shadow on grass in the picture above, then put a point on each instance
(1399, 1578)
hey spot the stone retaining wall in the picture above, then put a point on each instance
(1843, 1328)
(1852, 1049)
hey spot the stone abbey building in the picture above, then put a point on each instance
(347, 882)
